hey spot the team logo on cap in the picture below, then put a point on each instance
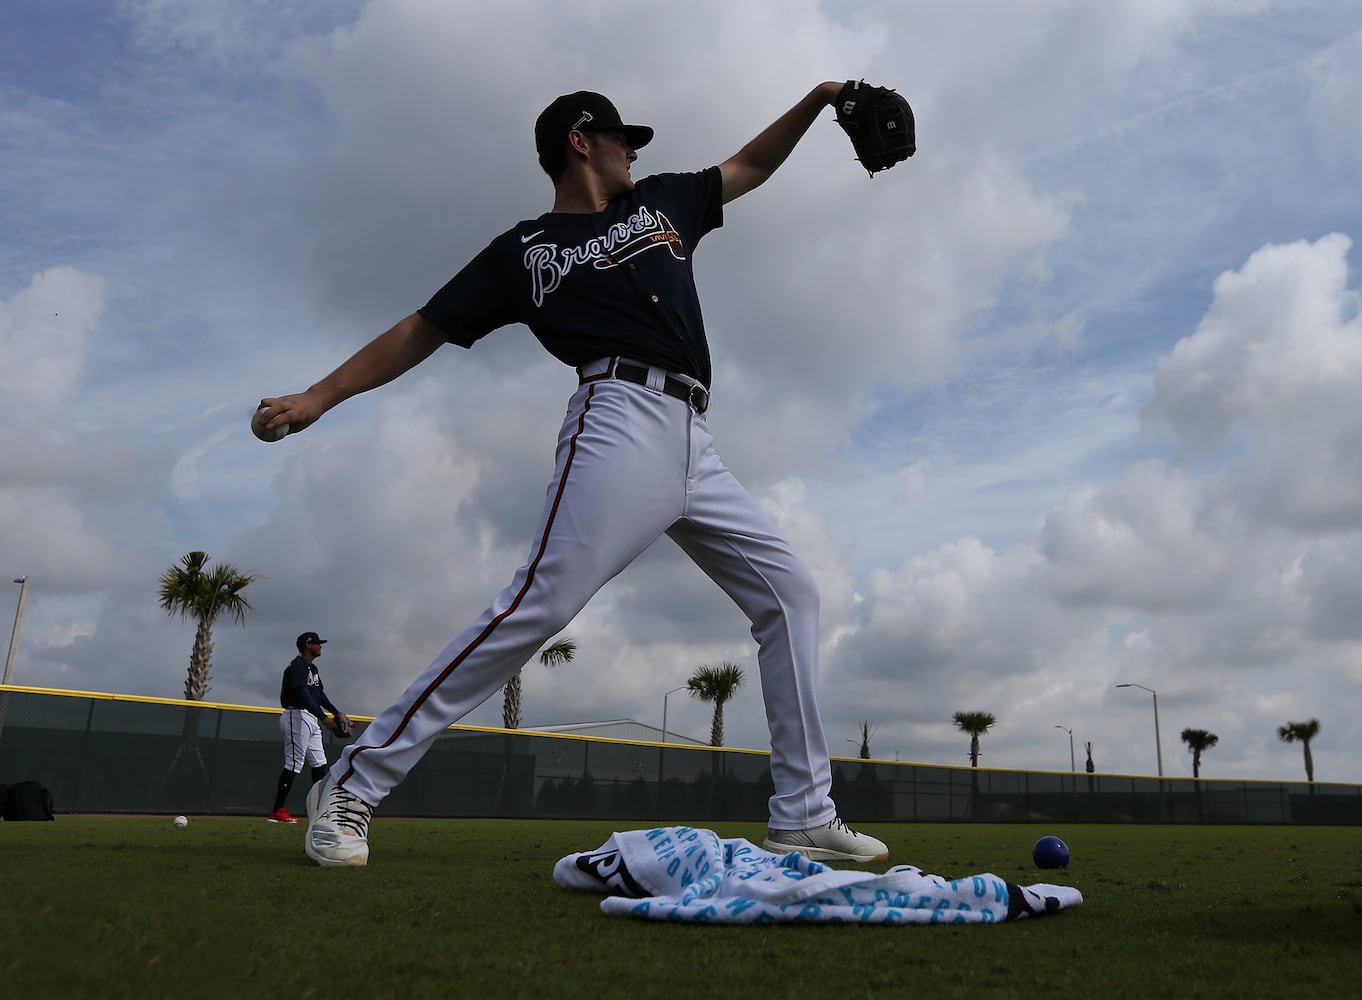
(587, 117)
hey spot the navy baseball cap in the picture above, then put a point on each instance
(307, 637)
(585, 111)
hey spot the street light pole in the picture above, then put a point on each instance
(1158, 743)
(14, 632)
(1073, 761)
(664, 708)
(13, 645)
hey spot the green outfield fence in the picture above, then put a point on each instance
(105, 753)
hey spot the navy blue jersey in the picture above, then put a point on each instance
(301, 687)
(616, 282)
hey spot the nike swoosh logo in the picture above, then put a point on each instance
(526, 239)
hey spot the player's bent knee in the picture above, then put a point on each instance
(554, 616)
(797, 591)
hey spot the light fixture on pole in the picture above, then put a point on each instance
(1158, 743)
(1073, 761)
(14, 633)
(664, 708)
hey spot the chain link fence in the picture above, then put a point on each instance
(101, 753)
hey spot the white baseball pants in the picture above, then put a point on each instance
(302, 740)
(632, 463)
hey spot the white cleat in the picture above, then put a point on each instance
(834, 842)
(337, 826)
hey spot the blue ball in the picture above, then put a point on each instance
(1050, 852)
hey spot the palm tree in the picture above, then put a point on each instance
(976, 724)
(554, 654)
(1305, 732)
(1198, 740)
(716, 684)
(867, 731)
(190, 589)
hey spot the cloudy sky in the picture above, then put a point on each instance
(1071, 399)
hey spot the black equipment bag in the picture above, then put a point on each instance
(25, 800)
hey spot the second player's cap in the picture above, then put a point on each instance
(585, 111)
(307, 637)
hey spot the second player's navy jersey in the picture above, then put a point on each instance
(616, 282)
(301, 687)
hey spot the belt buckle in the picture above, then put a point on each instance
(698, 397)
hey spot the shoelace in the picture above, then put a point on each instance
(840, 824)
(350, 812)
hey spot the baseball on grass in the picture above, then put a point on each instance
(1050, 852)
(180, 822)
(266, 434)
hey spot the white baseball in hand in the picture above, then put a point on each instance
(264, 433)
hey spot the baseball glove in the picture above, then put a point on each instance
(879, 123)
(340, 724)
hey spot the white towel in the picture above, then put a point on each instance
(686, 874)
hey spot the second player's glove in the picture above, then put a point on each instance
(879, 123)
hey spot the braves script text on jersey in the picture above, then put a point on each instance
(590, 286)
(613, 294)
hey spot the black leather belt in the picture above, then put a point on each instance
(692, 392)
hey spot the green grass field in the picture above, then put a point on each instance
(129, 906)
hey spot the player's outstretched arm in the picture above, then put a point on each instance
(383, 359)
(750, 166)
